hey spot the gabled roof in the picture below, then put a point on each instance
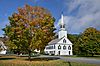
(2, 45)
(55, 41)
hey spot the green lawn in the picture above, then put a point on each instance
(21, 61)
(94, 57)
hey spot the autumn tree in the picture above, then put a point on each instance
(89, 42)
(30, 28)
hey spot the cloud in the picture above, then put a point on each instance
(87, 15)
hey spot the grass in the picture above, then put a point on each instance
(94, 57)
(21, 61)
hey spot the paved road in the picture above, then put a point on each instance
(71, 59)
(86, 60)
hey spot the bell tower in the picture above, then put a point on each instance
(62, 32)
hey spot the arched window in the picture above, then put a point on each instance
(69, 48)
(64, 41)
(59, 47)
(64, 47)
(62, 26)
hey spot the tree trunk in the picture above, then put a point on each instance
(92, 54)
(29, 57)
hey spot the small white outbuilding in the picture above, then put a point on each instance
(3, 47)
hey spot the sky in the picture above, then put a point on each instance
(78, 14)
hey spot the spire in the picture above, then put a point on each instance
(62, 19)
(62, 31)
(62, 25)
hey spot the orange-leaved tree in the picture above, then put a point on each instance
(30, 28)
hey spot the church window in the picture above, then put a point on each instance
(69, 48)
(64, 41)
(51, 52)
(59, 47)
(54, 52)
(64, 47)
(54, 46)
(51, 47)
(62, 26)
(46, 52)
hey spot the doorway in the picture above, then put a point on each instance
(58, 52)
(69, 52)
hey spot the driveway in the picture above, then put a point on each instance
(71, 59)
(86, 60)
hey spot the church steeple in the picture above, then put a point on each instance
(62, 25)
(62, 31)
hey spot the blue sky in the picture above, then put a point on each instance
(78, 14)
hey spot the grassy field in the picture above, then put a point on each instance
(22, 61)
(94, 57)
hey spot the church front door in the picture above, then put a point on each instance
(69, 52)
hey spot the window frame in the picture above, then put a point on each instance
(64, 40)
(59, 47)
(64, 47)
(69, 47)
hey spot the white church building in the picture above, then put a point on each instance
(61, 45)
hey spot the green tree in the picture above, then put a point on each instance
(30, 28)
(89, 42)
(73, 38)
